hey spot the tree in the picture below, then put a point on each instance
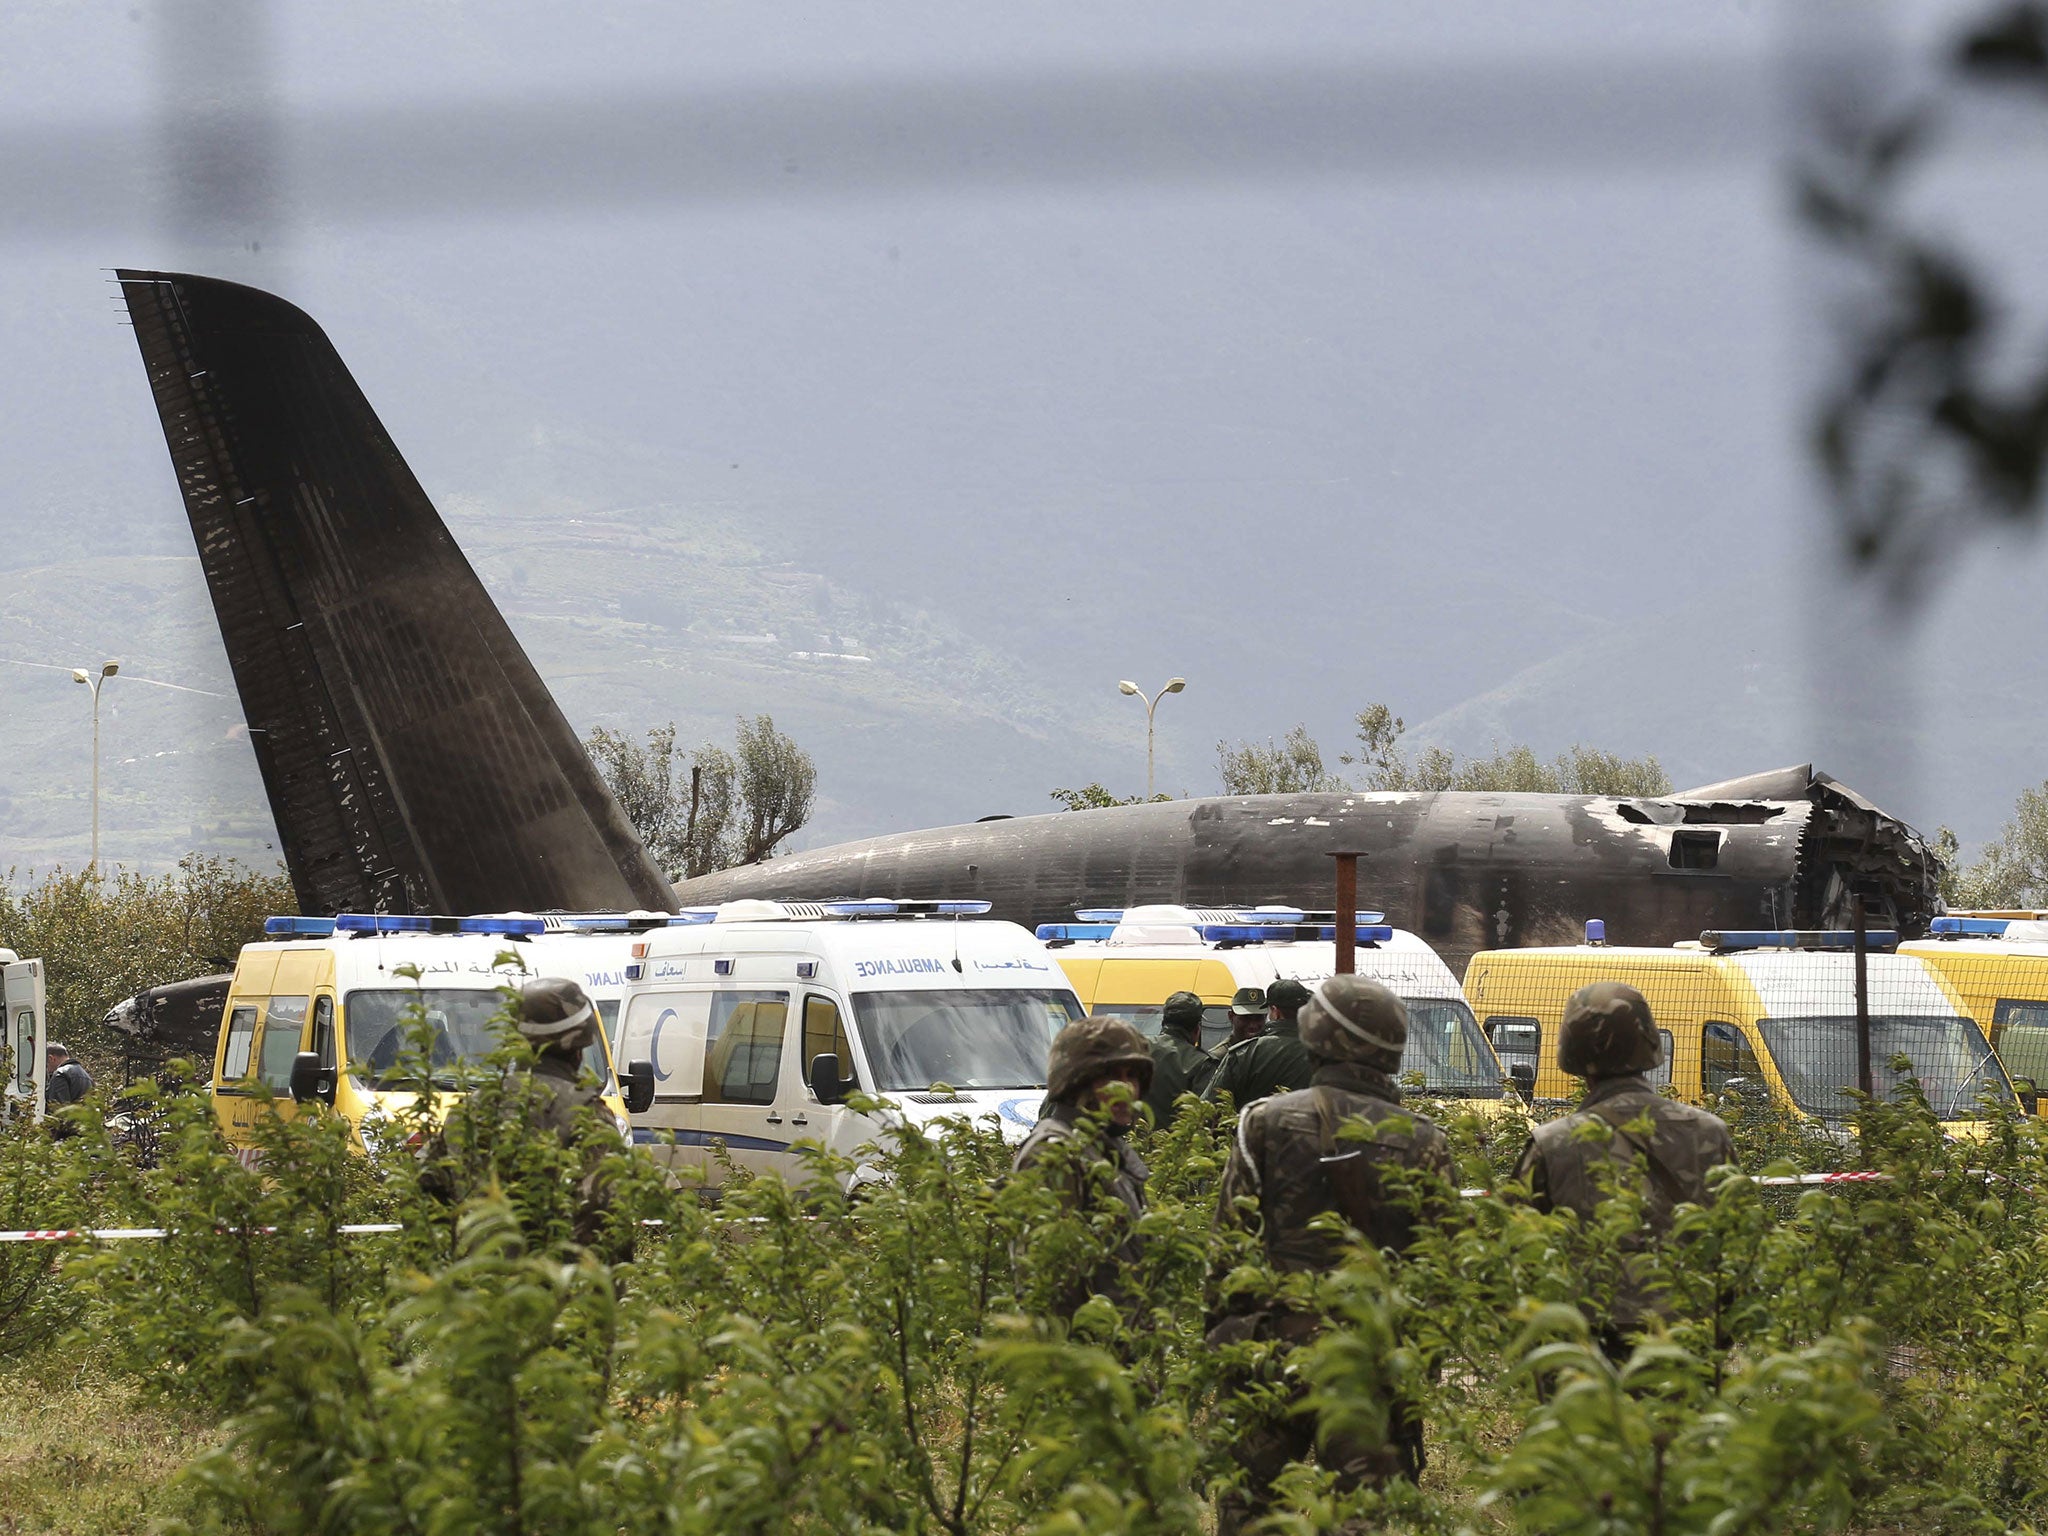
(1291, 766)
(777, 784)
(103, 938)
(2013, 869)
(1579, 770)
(1094, 797)
(709, 809)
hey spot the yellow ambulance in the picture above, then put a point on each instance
(319, 1010)
(1763, 1015)
(1128, 962)
(1999, 966)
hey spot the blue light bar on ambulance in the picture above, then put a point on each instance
(1254, 933)
(396, 922)
(1797, 938)
(625, 922)
(1297, 916)
(300, 927)
(1968, 927)
(1067, 933)
(883, 906)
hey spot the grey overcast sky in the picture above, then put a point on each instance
(1452, 356)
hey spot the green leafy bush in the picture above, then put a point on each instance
(905, 1355)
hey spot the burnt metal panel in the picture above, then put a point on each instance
(413, 758)
(1466, 871)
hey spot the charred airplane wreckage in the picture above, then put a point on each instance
(415, 761)
(1467, 871)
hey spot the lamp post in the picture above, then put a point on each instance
(1174, 685)
(79, 675)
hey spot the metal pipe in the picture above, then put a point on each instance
(1862, 999)
(1347, 912)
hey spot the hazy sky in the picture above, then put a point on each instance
(1320, 353)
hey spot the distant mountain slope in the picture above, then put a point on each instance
(634, 615)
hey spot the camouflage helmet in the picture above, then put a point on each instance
(1348, 1018)
(1608, 1032)
(555, 1011)
(1087, 1049)
(1183, 1010)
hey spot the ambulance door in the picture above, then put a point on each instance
(21, 1006)
(666, 1029)
(820, 1031)
(747, 1102)
(234, 1098)
(282, 1037)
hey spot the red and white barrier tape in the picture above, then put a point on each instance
(116, 1234)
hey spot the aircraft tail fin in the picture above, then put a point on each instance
(413, 758)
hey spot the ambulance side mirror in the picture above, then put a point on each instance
(639, 1087)
(310, 1080)
(827, 1086)
(1524, 1076)
(2030, 1095)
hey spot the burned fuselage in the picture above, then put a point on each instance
(1467, 871)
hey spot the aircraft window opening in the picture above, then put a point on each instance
(1695, 850)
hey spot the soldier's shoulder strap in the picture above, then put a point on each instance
(1617, 1117)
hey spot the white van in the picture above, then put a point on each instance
(1129, 962)
(759, 1020)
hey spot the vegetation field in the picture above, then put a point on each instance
(1845, 1356)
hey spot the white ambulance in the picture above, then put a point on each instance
(760, 1019)
(1128, 962)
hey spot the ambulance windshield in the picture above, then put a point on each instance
(969, 1037)
(1817, 1058)
(467, 1026)
(1447, 1048)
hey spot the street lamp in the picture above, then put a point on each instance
(78, 675)
(1173, 686)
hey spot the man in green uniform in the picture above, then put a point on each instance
(1288, 1167)
(1247, 1015)
(1091, 1154)
(1179, 1064)
(1655, 1145)
(1272, 1062)
(555, 1098)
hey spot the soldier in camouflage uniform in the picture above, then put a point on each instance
(1657, 1145)
(1087, 1057)
(1274, 1061)
(557, 1017)
(1289, 1166)
(1179, 1064)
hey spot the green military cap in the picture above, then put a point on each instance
(1182, 1008)
(1287, 995)
(1248, 1001)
